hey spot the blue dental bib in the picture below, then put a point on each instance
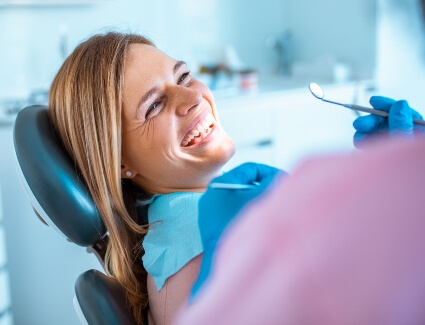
(173, 238)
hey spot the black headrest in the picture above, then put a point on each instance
(52, 181)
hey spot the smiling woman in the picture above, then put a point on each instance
(142, 131)
(171, 116)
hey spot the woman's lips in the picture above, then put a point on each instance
(201, 130)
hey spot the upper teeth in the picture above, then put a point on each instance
(201, 129)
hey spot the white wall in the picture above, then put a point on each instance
(335, 30)
(329, 30)
(401, 52)
(30, 37)
(193, 30)
(246, 24)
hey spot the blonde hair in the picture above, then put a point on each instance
(85, 105)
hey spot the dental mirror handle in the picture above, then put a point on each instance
(366, 109)
(229, 186)
(370, 110)
(378, 112)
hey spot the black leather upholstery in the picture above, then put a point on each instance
(52, 178)
(60, 198)
(103, 299)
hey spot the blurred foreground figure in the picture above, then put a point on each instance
(340, 241)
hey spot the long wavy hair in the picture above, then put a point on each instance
(85, 105)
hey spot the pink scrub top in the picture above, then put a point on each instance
(340, 241)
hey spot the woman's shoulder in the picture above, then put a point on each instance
(173, 238)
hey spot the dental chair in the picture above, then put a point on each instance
(62, 201)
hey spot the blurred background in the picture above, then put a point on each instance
(258, 58)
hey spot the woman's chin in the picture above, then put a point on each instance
(226, 153)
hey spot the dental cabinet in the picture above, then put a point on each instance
(283, 127)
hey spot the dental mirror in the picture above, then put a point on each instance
(318, 92)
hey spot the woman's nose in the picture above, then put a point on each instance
(185, 99)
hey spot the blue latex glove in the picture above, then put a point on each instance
(218, 207)
(398, 123)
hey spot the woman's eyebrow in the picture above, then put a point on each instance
(178, 65)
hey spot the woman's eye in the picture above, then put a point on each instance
(152, 108)
(183, 77)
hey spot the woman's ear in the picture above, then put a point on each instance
(126, 172)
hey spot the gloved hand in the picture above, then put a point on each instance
(218, 207)
(398, 123)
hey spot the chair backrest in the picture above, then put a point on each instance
(52, 181)
(61, 199)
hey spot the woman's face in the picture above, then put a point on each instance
(172, 140)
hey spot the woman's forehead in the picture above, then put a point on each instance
(144, 54)
(146, 68)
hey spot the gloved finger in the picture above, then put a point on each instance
(258, 172)
(370, 123)
(360, 139)
(418, 129)
(247, 173)
(265, 174)
(381, 103)
(400, 120)
(385, 103)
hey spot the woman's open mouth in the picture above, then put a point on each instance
(199, 132)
